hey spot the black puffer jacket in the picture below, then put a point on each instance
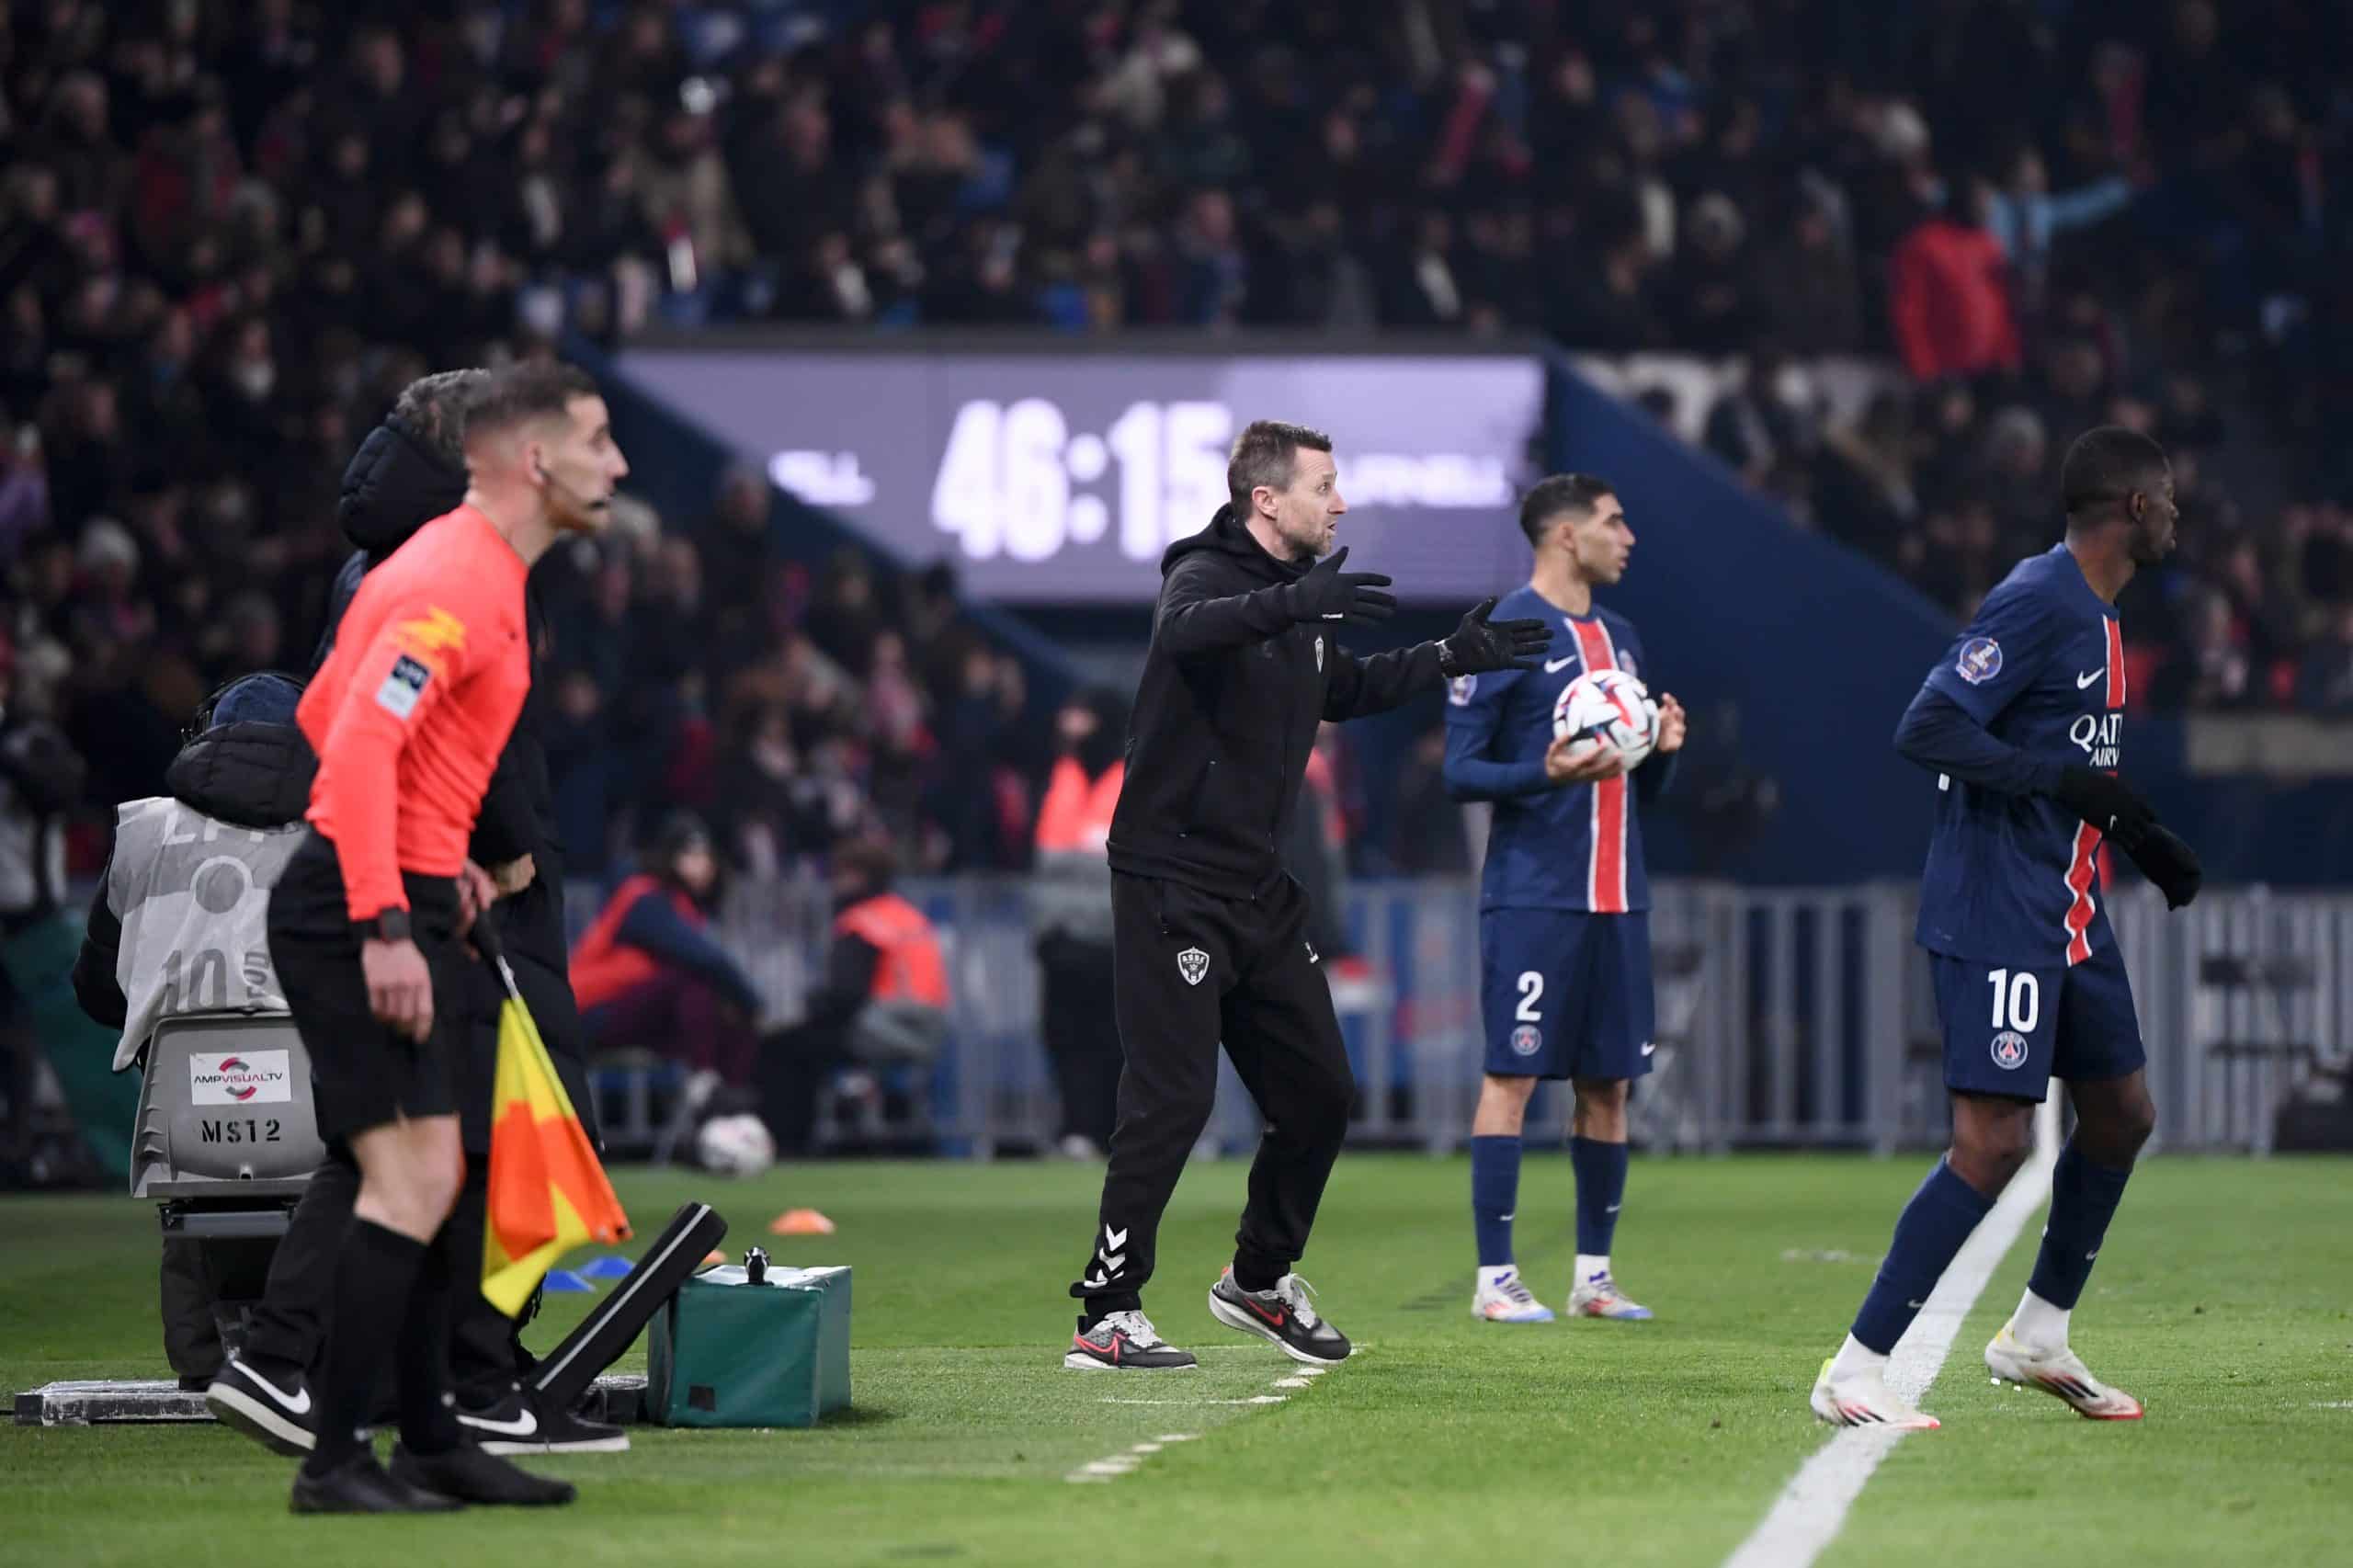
(393, 486)
(1232, 691)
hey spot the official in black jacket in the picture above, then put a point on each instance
(1208, 931)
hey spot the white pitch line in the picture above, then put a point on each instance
(1119, 1464)
(1254, 1399)
(1812, 1510)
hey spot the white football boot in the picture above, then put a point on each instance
(1507, 1299)
(1600, 1298)
(1863, 1399)
(2060, 1372)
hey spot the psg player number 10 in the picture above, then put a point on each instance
(1011, 479)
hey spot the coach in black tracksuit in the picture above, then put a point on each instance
(1207, 929)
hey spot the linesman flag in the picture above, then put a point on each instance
(548, 1193)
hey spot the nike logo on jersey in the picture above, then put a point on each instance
(1649, 1046)
(2083, 681)
(1554, 666)
(522, 1425)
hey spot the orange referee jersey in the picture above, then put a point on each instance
(430, 666)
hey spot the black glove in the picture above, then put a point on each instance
(2106, 802)
(2165, 860)
(1327, 593)
(1479, 645)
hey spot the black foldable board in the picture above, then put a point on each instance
(565, 1373)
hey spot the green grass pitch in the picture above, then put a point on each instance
(2223, 1299)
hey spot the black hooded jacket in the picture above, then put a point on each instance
(1226, 713)
(248, 775)
(393, 486)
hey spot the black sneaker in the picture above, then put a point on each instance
(360, 1485)
(273, 1408)
(519, 1424)
(1123, 1342)
(466, 1472)
(1284, 1315)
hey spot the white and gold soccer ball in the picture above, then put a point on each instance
(1609, 708)
(734, 1145)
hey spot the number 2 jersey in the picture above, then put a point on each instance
(1551, 847)
(2012, 878)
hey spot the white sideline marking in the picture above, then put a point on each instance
(1103, 1469)
(1812, 1510)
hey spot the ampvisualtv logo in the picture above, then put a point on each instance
(250, 1077)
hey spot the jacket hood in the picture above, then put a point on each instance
(393, 486)
(1227, 533)
(253, 775)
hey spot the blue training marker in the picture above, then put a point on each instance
(611, 1266)
(564, 1280)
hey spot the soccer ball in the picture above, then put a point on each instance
(734, 1145)
(1612, 708)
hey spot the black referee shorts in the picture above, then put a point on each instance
(366, 1073)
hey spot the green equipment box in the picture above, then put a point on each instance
(726, 1351)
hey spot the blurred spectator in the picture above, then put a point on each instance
(1949, 297)
(884, 1003)
(647, 974)
(1071, 905)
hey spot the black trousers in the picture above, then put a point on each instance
(289, 1323)
(1076, 1005)
(1193, 970)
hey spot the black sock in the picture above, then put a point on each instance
(428, 1420)
(1094, 1309)
(374, 1274)
(1255, 1275)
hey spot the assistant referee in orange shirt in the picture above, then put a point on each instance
(408, 717)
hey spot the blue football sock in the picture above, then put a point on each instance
(1601, 1187)
(2083, 1200)
(1495, 1196)
(1927, 1237)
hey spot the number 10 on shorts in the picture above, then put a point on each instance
(2018, 999)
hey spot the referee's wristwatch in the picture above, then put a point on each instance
(385, 926)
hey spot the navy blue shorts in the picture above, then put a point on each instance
(1566, 993)
(2010, 1030)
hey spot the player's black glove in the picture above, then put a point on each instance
(1327, 593)
(1479, 645)
(2106, 802)
(2165, 860)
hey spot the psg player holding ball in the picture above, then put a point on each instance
(1209, 932)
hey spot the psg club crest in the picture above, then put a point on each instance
(1459, 690)
(1192, 964)
(2010, 1050)
(1526, 1040)
(1980, 661)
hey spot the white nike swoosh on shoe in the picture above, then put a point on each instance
(523, 1426)
(1554, 666)
(293, 1406)
(2083, 681)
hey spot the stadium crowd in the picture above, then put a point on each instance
(229, 233)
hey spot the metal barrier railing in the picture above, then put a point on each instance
(1796, 1017)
